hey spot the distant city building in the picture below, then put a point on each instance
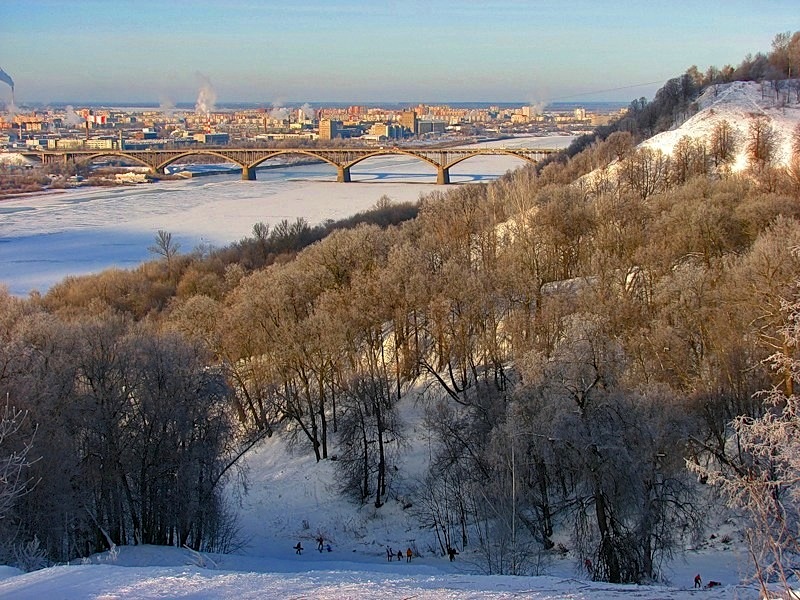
(408, 120)
(431, 126)
(329, 129)
(215, 139)
(386, 130)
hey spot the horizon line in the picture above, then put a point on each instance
(287, 103)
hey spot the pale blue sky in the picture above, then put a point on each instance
(362, 51)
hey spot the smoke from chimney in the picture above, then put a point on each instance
(206, 98)
(167, 106)
(73, 119)
(306, 112)
(278, 112)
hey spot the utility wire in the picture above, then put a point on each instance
(624, 87)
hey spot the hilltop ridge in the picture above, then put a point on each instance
(739, 103)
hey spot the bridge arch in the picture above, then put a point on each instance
(249, 170)
(390, 152)
(441, 171)
(310, 153)
(202, 152)
(87, 158)
(499, 152)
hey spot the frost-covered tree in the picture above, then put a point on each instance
(763, 477)
(15, 448)
(723, 144)
(605, 458)
(762, 143)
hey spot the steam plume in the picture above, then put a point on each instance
(306, 112)
(167, 106)
(72, 118)
(537, 108)
(278, 112)
(207, 96)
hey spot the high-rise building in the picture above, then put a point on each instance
(329, 129)
(408, 119)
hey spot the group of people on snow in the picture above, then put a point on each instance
(321, 545)
(390, 554)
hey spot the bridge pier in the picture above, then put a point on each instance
(443, 176)
(248, 173)
(343, 174)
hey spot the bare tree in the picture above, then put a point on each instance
(165, 246)
(762, 143)
(645, 172)
(689, 159)
(15, 448)
(606, 453)
(796, 140)
(723, 144)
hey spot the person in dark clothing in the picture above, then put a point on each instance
(697, 581)
(399, 555)
(298, 549)
(389, 554)
(320, 543)
(451, 552)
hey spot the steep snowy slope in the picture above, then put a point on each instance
(739, 103)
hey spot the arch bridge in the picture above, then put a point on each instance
(344, 159)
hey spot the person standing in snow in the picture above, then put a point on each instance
(298, 549)
(409, 554)
(399, 555)
(697, 581)
(589, 567)
(320, 543)
(389, 553)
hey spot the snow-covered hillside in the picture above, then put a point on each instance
(291, 498)
(739, 103)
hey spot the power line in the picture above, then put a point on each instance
(624, 87)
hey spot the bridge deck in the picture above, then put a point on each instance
(343, 158)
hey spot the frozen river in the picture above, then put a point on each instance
(45, 237)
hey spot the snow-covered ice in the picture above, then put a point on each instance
(45, 237)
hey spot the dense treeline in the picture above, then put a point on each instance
(576, 339)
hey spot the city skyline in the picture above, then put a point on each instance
(348, 51)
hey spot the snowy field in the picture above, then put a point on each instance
(45, 237)
(292, 499)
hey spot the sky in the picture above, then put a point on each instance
(275, 52)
